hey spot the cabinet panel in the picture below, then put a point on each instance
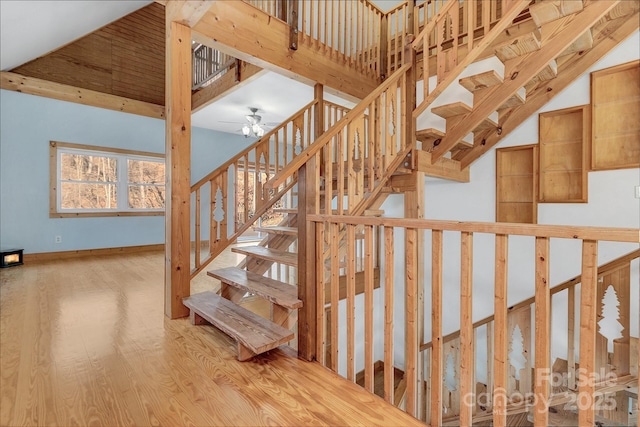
(564, 136)
(615, 108)
(516, 184)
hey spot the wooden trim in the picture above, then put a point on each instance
(178, 152)
(62, 92)
(610, 234)
(82, 253)
(443, 168)
(105, 149)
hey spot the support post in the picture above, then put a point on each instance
(307, 191)
(291, 16)
(178, 164)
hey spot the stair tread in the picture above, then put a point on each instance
(549, 72)
(546, 11)
(286, 210)
(519, 46)
(451, 110)
(516, 100)
(269, 254)
(487, 123)
(481, 81)
(584, 42)
(252, 331)
(430, 133)
(277, 229)
(272, 290)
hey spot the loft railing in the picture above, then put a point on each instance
(386, 304)
(229, 200)
(208, 64)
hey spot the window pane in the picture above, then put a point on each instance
(145, 172)
(146, 196)
(88, 196)
(80, 167)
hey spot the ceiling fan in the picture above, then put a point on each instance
(253, 128)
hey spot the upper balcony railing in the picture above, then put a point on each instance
(208, 64)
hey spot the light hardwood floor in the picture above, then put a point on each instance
(85, 342)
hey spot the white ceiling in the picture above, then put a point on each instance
(30, 29)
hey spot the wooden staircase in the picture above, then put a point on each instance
(570, 37)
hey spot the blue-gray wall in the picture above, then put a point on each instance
(28, 123)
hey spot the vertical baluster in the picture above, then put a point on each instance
(326, 25)
(371, 146)
(304, 36)
(335, 293)
(489, 349)
(467, 351)
(543, 330)
(197, 230)
(411, 320)
(342, 18)
(328, 172)
(501, 341)
(571, 338)
(351, 182)
(351, 295)
(213, 225)
(388, 315)
(312, 22)
(455, 32)
(437, 350)
(471, 22)
(224, 232)
(340, 180)
(486, 18)
(245, 188)
(588, 318)
(321, 292)
(368, 310)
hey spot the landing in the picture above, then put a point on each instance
(85, 342)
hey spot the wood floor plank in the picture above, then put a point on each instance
(85, 342)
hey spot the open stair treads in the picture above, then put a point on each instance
(522, 45)
(478, 83)
(548, 11)
(290, 231)
(272, 290)
(254, 334)
(269, 254)
(457, 110)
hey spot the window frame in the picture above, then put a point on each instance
(56, 148)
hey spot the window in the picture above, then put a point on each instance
(97, 181)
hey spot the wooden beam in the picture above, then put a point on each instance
(62, 92)
(247, 33)
(613, 33)
(467, 350)
(556, 37)
(443, 168)
(437, 352)
(225, 85)
(187, 12)
(178, 159)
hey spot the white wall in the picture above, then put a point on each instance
(611, 203)
(28, 123)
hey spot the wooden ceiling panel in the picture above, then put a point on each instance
(124, 58)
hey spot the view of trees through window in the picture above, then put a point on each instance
(95, 182)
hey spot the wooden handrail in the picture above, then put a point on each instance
(624, 235)
(312, 150)
(603, 269)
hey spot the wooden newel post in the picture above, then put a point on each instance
(291, 16)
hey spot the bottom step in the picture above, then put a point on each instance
(254, 334)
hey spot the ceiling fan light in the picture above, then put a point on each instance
(255, 128)
(246, 130)
(260, 132)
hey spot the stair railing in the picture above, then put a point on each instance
(356, 157)
(463, 355)
(520, 382)
(232, 198)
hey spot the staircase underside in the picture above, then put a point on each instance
(614, 27)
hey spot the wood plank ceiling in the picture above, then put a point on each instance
(124, 58)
